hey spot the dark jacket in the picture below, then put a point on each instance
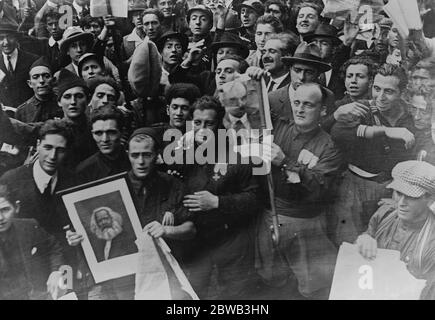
(14, 89)
(34, 110)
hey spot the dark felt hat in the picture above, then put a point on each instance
(152, 132)
(67, 80)
(231, 40)
(308, 53)
(41, 62)
(326, 31)
(170, 35)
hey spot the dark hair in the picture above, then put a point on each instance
(243, 65)
(52, 15)
(210, 103)
(108, 113)
(273, 21)
(188, 91)
(7, 194)
(369, 63)
(60, 127)
(391, 70)
(314, 5)
(154, 11)
(95, 82)
(281, 5)
(290, 41)
(86, 21)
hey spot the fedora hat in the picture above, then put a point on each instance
(326, 31)
(7, 26)
(231, 40)
(308, 53)
(73, 34)
(172, 34)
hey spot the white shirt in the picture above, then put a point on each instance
(165, 77)
(277, 82)
(14, 58)
(42, 179)
(328, 75)
(133, 36)
(52, 42)
(76, 68)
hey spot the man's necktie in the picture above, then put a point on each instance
(271, 85)
(10, 67)
(47, 191)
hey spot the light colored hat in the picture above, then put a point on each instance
(73, 34)
(413, 178)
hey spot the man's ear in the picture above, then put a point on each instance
(28, 83)
(38, 143)
(167, 109)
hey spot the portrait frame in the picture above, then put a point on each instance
(111, 191)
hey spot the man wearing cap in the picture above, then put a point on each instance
(249, 11)
(373, 139)
(334, 52)
(132, 40)
(90, 66)
(409, 225)
(172, 46)
(43, 105)
(14, 67)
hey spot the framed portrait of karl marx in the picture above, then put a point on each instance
(103, 212)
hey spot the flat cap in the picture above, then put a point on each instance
(413, 178)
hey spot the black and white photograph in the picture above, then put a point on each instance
(217, 150)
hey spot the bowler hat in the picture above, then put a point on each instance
(233, 41)
(325, 31)
(308, 54)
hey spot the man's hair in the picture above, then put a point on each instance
(280, 4)
(290, 41)
(60, 127)
(52, 15)
(310, 4)
(391, 70)
(99, 80)
(210, 103)
(323, 91)
(7, 194)
(154, 11)
(273, 21)
(369, 63)
(115, 217)
(87, 20)
(243, 65)
(143, 137)
(108, 113)
(187, 91)
(426, 64)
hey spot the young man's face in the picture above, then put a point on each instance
(248, 17)
(172, 52)
(51, 152)
(165, 6)
(91, 69)
(226, 71)
(8, 43)
(94, 28)
(199, 23)
(7, 213)
(136, 19)
(54, 29)
(393, 38)
(302, 73)
(326, 47)
(307, 108)
(151, 26)
(73, 102)
(106, 135)
(410, 209)
(41, 81)
(272, 54)
(307, 20)
(76, 50)
(262, 34)
(421, 110)
(386, 92)
(179, 112)
(221, 52)
(204, 122)
(104, 95)
(273, 10)
(357, 80)
(142, 157)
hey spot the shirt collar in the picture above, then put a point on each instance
(42, 179)
(278, 81)
(52, 42)
(244, 120)
(133, 36)
(14, 55)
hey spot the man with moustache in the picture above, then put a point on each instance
(43, 105)
(108, 237)
(14, 67)
(373, 142)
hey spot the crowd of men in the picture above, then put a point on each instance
(352, 158)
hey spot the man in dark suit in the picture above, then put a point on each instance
(28, 255)
(14, 68)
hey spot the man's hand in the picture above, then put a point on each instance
(350, 31)
(201, 201)
(351, 113)
(367, 246)
(73, 238)
(401, 134)
(196, 52)
(53, 285)
(257, 73)
(168, 219)
(155, 229)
